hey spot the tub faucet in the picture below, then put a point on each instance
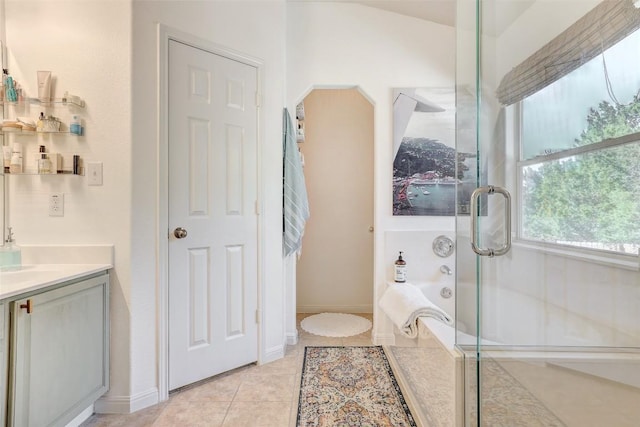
(446, 270)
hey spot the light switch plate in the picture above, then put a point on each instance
(94, 173)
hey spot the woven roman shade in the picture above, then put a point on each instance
(601, 28)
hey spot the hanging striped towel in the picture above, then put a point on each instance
(295, 202)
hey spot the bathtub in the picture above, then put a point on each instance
(508, 341)
(516, 319)
(429, 327)
(440, 365)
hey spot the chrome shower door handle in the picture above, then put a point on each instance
(490, 252)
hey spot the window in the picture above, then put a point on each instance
(579, 168)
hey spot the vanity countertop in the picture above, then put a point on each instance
(37, 276)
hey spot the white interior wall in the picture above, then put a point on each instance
(423, 265)
(350, 45)
(538, 25)
(3, 32)
(92, 51)
(86, 45)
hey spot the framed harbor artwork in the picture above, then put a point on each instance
(429, 176)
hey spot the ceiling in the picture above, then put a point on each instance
(439, 11)
(497, 14)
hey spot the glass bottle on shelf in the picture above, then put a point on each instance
(44, 164)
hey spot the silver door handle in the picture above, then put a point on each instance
(474, 221)
(180, 233)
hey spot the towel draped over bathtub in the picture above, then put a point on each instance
(404, 303)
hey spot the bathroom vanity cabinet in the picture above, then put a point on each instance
(54, 344)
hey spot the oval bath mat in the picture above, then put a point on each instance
(335, 324)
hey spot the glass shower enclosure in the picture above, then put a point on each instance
(548, 282)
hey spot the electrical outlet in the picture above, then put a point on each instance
(56, 204)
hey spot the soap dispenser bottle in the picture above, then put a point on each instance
(400, 270)
(10, 253)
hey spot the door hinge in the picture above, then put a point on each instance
(257, 207)
(258, 99)
(257, 316)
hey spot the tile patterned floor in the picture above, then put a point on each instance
(261, 396)
(267, 396)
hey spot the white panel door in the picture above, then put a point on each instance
(212, 196)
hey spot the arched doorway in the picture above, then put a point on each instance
(335, 270)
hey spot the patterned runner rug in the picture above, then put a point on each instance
(350, 386)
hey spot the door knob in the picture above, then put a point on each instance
(180, 233)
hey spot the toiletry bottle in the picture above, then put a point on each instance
(15, 165)
(10, 253)
(76, 126)
(6, 157)
(40, 123)
(44, 165)
(10, 90)
(19, 93)
(5, 76)
(37, 157)
(400, 270)
(44, 86)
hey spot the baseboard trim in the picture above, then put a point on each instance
(273, 353)
(127, 404)
(292, 338)
(383, 339)
(366, 308)
(82, 417)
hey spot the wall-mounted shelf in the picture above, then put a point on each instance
(33, 133)
(7, 108)
(63, 172)
(54, 102)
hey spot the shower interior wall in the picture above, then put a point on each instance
(597, 303)
(555, 301)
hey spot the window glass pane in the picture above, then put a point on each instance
(590, 200)
(555, 117)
